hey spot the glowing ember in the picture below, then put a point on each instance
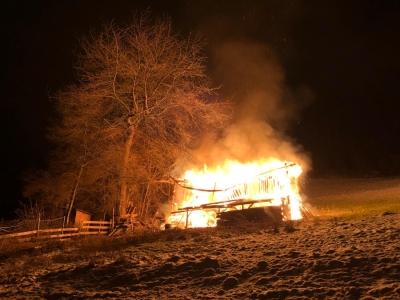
(200, 196)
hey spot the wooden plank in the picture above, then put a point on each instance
(96, 222)
(96, 227)
(64, 235)
(58, 230)
(20, 234)
(40, 232)
(92, 232)
(60, 236)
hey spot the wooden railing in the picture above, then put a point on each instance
(95, 227)
(86, 228)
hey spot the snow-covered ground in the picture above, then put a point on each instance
(331, 258)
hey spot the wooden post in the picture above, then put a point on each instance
(113, 217)
(187, 217)
(173, 197)
(38, 226)
(62, 231)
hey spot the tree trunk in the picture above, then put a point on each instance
(124, 173)
(72, 200)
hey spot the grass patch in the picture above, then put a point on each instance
(347, 199)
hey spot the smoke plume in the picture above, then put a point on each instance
(265, 107)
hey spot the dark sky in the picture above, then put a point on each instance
(345, 53)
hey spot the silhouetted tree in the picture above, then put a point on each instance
(143, 98)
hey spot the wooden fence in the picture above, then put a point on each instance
(86, 228)
(95, 227)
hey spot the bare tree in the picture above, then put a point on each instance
(143, 98)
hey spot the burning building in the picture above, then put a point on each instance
(207, 198)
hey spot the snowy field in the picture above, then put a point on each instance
(344, 255)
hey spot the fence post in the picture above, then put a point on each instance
(113, 216)
(38, 226)
(62, 231)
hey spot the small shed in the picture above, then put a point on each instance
(81, 216)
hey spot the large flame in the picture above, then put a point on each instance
(275, 180)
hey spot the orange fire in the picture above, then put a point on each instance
(254, 181)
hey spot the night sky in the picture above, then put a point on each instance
(344, 53)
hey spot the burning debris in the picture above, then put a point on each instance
(251, 191)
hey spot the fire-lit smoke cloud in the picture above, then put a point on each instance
(253, 78)
(248, 140)
(265, 107)
(251, 74)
